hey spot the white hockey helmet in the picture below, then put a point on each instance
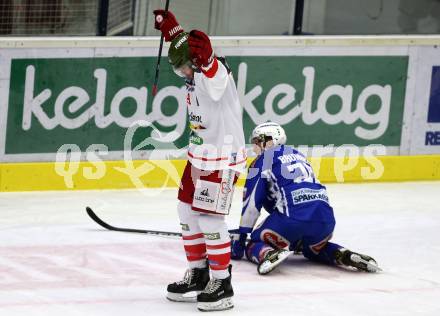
(269, 131)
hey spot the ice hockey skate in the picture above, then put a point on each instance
(356, 260)
(193, 283)
(273, 259)
(217, 295)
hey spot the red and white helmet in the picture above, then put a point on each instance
(269, 131)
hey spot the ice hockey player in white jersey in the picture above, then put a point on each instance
(216, 155)
(281, 181)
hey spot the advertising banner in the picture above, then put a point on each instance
(425, 109)
(319, 100)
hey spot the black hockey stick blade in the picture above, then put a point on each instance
(100, 222)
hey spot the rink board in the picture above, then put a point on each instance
(164, 174)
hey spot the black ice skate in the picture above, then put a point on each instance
(193, 283)
(356, 260)
(217, 296)
(272, 259)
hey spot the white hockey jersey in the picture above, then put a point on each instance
(215, 117)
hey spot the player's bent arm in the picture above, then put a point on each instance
(255, 193)
(215, 79)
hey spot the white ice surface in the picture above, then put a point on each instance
(55, 261)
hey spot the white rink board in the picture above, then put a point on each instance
(55, 261)
(428, 57)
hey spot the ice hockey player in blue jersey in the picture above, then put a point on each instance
(300, 219)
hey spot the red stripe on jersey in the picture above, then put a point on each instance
(225, 245)
(213, 70)
(192, 237)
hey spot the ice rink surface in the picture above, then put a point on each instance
(55, 261)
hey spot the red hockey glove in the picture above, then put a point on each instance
(166, 23)
(201, 52)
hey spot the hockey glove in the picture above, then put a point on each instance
(166, 23)
(201, 51)
(238, 244)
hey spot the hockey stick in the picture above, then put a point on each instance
(156, 76)
(100, 222)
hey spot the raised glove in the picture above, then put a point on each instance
(166, 23)
(200, 50)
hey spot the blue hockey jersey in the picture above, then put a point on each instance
(282, 180)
